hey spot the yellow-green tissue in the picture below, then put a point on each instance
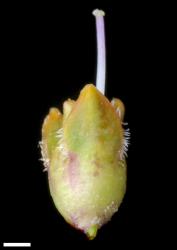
(83, 151)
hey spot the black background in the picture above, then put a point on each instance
(49, 55)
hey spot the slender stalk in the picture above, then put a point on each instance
(101, 50)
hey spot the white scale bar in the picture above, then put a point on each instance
(6, 244)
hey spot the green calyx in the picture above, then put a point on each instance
(84, 150)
